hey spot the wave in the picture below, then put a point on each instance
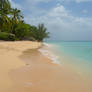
(46, 50)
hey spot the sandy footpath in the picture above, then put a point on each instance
(9, 60)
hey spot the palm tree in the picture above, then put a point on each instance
(39, 33)
(16, 15)
(42, 30)
(16, 18)
(5, 8)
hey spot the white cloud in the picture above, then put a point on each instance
(58, 12)
(63, 25)
(59, 21)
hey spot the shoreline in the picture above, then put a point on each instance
(41, 75)
(31, 71)
(48, 51)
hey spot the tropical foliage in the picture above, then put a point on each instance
(13, 26)
(39, 33)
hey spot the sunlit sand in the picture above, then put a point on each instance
(24, 69)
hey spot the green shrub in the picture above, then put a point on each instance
(7, 36)
(39, 33)
(22, 31)
(11, 37)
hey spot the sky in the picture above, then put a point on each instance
(65, 19)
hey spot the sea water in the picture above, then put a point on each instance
(75, 55)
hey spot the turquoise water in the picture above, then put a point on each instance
(75, 54)
(81, 50)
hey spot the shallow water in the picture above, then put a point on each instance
(41, 75)
(76, 55)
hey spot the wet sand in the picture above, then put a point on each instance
(41, 75)
(24, 69)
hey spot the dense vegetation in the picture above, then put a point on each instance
(13, 27)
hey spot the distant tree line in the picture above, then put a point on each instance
(13, 27)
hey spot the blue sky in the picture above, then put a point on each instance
(64, 19)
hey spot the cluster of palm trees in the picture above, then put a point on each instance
(13, 27)
(8, 15)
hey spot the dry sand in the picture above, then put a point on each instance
(9, 60)
(24, 70)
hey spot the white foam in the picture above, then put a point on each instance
(49, 54)
(47, 45)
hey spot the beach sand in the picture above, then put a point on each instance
(9, 60)
(24, 69)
